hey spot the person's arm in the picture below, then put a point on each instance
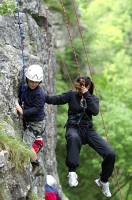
(37, 104)
(58, 99)
(19, 108)
(18, 104)
(92, 103)
(58, 196)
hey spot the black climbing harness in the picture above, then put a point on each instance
(35, 132)
(78, 120)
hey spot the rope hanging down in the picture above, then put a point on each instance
(85, 50)
(67, 24)
(22, 49)
(66, 70)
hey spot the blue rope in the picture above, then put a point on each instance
(23, 87)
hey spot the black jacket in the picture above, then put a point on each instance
(34, 101)
(73, 100)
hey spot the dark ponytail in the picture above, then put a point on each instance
(91, 89)
(87, 82)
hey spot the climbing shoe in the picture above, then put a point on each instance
(104, 187)
(35, 169)
(73, 182)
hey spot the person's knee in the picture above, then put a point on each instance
(111, 154)
(72, 135)
(33, 155)
(74, 138)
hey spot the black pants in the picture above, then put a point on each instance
(76, 138)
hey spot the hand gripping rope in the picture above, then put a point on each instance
(83, 103)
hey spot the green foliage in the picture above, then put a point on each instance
(55, 5)
(7, 7)
(33, 196)
(18, 153)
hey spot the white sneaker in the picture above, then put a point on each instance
(104, 187)
(72, 179)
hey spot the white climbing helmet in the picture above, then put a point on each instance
(34, 73)
(50, 180)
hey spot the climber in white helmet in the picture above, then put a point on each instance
(34, 73)
(33, 110)
(51, 191)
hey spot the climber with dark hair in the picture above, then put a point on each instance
(80, 131)
(33, 113)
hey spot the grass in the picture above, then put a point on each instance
(7, 7)
(33, 196)
(18, 153)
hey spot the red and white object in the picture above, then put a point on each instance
(38, 144)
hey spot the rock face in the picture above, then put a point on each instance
(36, 36)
